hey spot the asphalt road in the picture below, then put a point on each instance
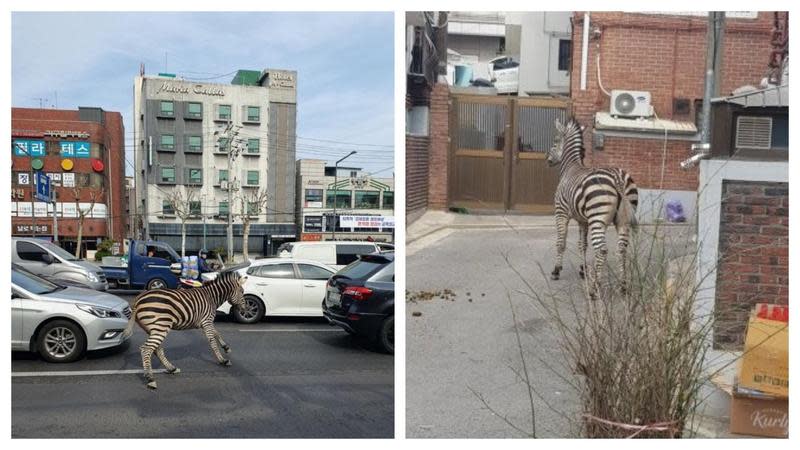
(290, 378)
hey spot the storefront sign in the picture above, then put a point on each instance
(55, 178)
(75, 149)
(17, 194)
(366, 221)
(28, 147)
(281, 80)
(28, 229)
(66, 134)
(311, 237)
(312, 223)
(23, 178)
(197, 89)
(69, 180)
(313, 204)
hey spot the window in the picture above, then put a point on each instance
(253, 114)
(252, 145)
(194, 143)
(30, 252)
(195, 208)
(167, 109)
(353, 173)
(385, 275)
(313, 198)
(252, 208)
(252, 178)
(388, 200)
(564, 51)
(309, 272)
(167, 142)
(367, 199)
(222, 175)
(167, 209)
(285, 270)
(223, 208)
(347, 253)
(780, 132)
(194, 176)
(224, 112)
(342, 199)
(222, 145)
(194, 110)
(167, 174)
(157, 251)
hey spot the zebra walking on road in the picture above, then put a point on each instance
(595, 198)
(161, 310)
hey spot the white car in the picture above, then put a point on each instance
(504, 71)
(282, 287)
(336, 254)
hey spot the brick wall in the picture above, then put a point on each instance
(664, 55)
(439, 146)
(754, 255)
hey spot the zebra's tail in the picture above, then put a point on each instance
(626, 215)
(129, 328)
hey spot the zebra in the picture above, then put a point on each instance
(595, 198)
(161, 310)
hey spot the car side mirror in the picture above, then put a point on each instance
(47, 258)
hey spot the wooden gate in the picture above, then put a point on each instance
(498, 150)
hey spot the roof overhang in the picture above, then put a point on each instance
(773, 96)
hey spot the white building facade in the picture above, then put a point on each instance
(364, 204)
(183, 133)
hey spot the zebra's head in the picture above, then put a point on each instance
(234, 282)
(568, 138)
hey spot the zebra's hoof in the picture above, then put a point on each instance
(227, 348)
(226, 362)
(152, 385)
(174, 370)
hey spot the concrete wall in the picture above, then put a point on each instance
(538, 56)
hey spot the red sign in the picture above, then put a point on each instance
(311, 237)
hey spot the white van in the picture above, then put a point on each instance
(336, 254)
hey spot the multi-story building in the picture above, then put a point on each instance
(364, 205)
(82, 151)
(184, 131)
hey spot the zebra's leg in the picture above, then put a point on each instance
(622, 248)
(208, 330)
(597, 233)
(154, 340)
(562, 222)
(163, 358)
(222, 343)
(583, 229)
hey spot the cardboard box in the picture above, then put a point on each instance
(759, 416)
(765, 362)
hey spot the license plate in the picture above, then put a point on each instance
(334, 299)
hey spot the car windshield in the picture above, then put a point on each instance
(32, 283)
(58, 251)
(359, 269)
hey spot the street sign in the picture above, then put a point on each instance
(42, 187)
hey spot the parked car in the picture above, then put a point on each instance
(360, 299)
(62, 322)
(336, 254)
(47, 259)
(384, 247)
(281, 287)
(146, 266)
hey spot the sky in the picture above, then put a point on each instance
(345, 66)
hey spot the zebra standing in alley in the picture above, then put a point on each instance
(595, 198)
(161, 310)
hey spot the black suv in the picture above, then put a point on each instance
(360, 299)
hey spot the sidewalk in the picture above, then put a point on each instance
(433, 221)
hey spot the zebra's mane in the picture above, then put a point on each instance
(572, 138)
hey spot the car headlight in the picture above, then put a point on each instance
(92, 277)
(98, 311)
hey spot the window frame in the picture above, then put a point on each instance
(162, 112)
(252, 118)
(194, 115)
(167, 147)
(189, 146)
(167, 209)
(188, 175)
(357, 205)
(258, 177)
(161, 175)
(218, 117)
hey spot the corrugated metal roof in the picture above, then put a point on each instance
(605, 121)
(771, 96)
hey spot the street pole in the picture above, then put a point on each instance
(202, 213)
(336, 190)
(55, 215)
(230, 193)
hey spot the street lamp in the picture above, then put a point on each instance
(336, 189)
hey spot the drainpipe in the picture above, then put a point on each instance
(716, 25)
(585, 50)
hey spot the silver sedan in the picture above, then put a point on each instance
(62, 322)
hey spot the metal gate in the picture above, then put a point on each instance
(498, 150)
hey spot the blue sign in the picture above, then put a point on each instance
(75, 149)
(42, 187)
(28, 147)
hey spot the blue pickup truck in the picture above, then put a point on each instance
(146, 266)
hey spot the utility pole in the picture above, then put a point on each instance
(336, 190)
(229, 134)
(55, 214)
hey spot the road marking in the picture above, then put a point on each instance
(292, 330)
(76, 373)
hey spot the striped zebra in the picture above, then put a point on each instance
(161, 310)
(595, 198)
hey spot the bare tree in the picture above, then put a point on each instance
(94, 196)
(252, 203)
(181, 200)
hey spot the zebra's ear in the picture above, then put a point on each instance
(559, 126)
(583, 128)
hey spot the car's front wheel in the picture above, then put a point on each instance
(156, 283)
(386, 335)
(253, 310)
(61, 341)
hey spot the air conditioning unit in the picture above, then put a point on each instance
(631, 104)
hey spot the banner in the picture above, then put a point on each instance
(366, 221)
(32, 147)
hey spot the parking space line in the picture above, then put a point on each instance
(75, 373)
(291, 330)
